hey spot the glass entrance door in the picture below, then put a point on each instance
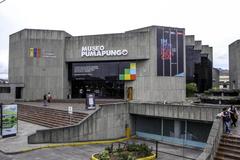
(102, 89)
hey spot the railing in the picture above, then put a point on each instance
(213, 141)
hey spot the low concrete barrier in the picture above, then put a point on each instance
(213, 141)
(189, 112)
(108, 122)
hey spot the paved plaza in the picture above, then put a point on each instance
(12, 147)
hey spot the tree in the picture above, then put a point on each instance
(191, 88)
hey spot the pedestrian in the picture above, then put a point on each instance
(234, 115)
(225, 114)
(49, 97)
(44, 100)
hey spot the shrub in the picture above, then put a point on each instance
(104, 155)
(128, 152)
(191, 88)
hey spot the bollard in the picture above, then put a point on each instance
(127, 131)
(156, 149)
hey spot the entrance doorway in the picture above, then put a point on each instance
(102, 89)
(18, 92)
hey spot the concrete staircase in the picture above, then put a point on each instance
(48, 117)
(229, 148)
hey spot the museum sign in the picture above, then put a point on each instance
(100, 51)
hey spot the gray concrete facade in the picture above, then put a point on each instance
(206, 49)
(234, 67)
(39, 75)
(215, 77)
(49, 72)
(11, 96)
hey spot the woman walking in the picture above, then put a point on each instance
(234, 115)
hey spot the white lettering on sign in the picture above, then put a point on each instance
(99, 51)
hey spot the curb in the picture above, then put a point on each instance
(68, 145)
(152, 157)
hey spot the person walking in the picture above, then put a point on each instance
(225, 114)
(44, 100)
(234, 115)
(49, 97)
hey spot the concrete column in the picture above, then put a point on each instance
(177, 128)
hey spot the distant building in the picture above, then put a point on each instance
(215, 77)
(234, 65)
(224, 82)
(199, 60)
(3, 81)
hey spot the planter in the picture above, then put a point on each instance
(152, 157)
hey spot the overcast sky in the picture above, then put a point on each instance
(215, 22)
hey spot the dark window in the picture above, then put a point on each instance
(5, 89)
(148, 125)
(198, 131)
(168, 127)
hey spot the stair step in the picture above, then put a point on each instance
(229, 145)
(56, 118)
(223, 158)
(232, 141)
(49, 117)
(229, 150)
(40, 123)
(227, 155)
(51, 112)
(234, 137)
(56, 121)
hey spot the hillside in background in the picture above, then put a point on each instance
(223, 72)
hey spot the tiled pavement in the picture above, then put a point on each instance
(19, 142)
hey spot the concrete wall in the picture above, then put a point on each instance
(43, 74)
(208, 50)
(108, 122)
(188, 112)
(234, 67)
(215, 77)
(137, 45)
(17, 53)
(9, 97)
(149, 86)
(198, 45)
(190, 40)
(213, 141)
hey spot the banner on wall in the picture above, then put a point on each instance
(170, 52)
(123, 71)
(9, 120)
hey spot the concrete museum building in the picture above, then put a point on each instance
(145, 64)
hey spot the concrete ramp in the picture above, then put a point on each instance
(106, 122)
